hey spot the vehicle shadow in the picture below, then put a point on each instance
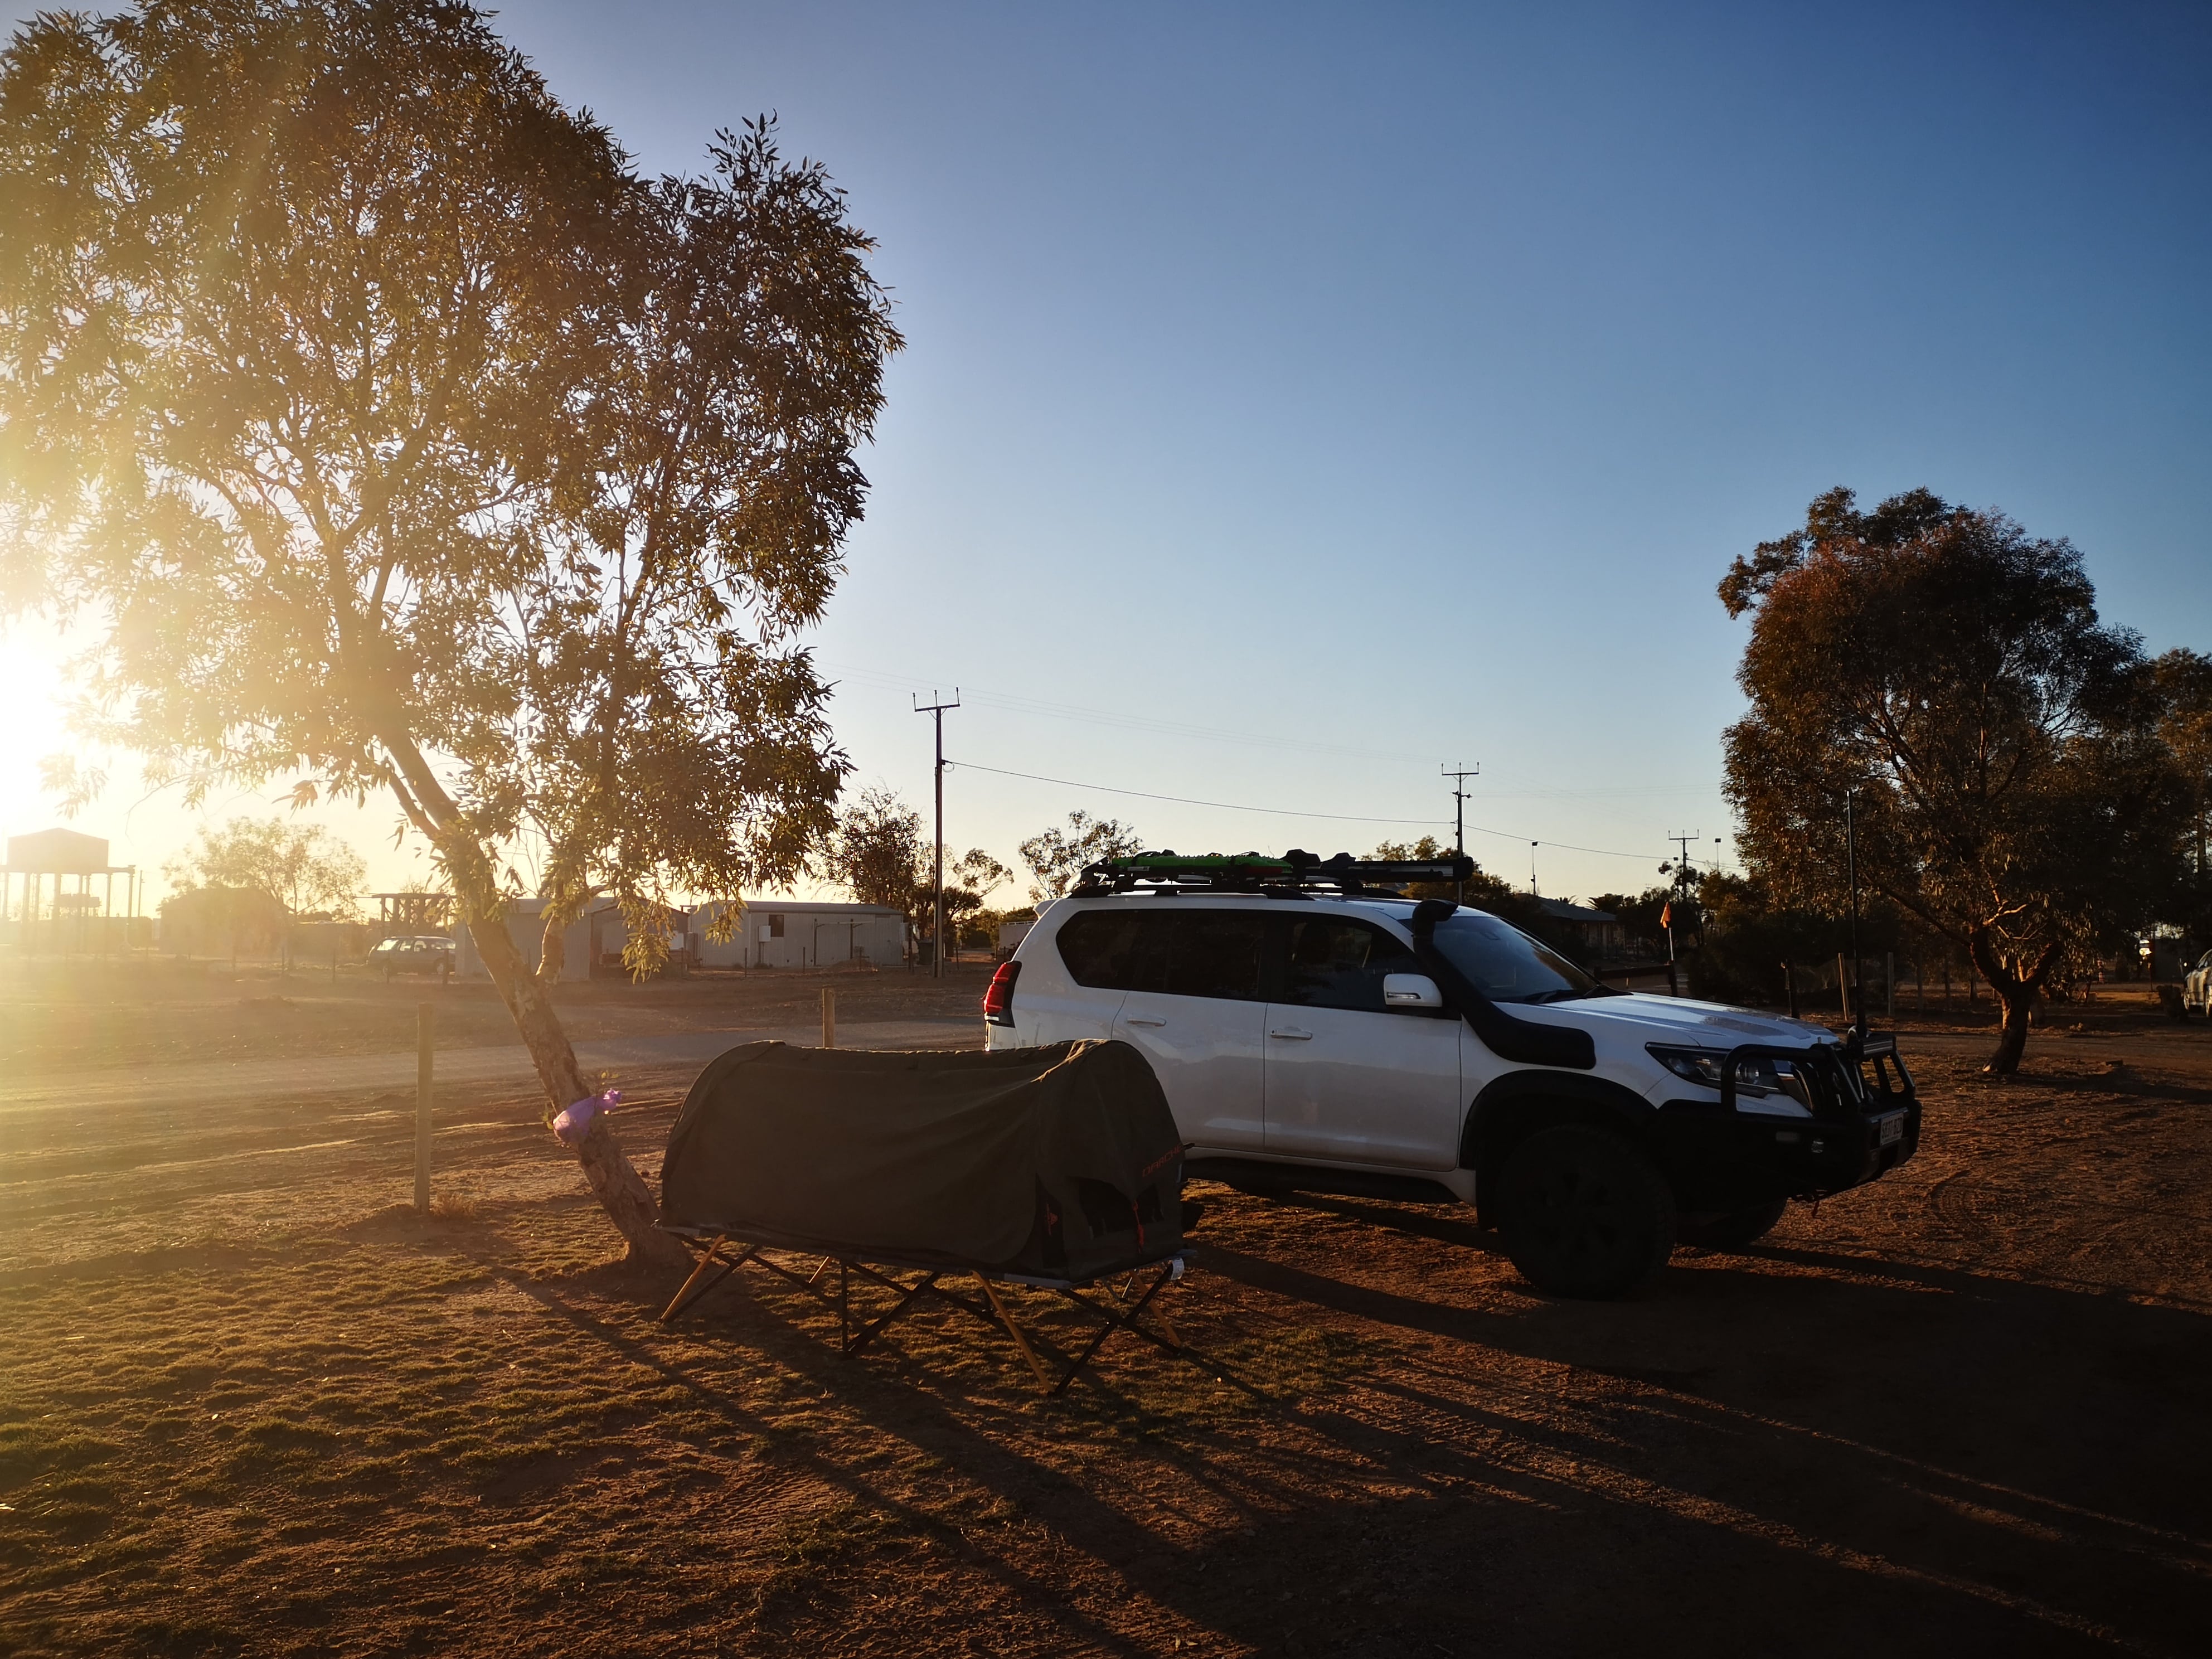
(1785, 1451)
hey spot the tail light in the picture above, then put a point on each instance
(998, 999)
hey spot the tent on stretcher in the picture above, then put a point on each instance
(1054, 1167)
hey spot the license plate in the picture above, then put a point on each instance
(1892, 1128)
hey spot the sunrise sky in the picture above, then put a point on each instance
(1298, 398)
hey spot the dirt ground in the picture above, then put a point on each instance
(251, 1403)
(66, 1016)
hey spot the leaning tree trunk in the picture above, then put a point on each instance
(2015, 1002)
(2015, 994)
(615, 1182)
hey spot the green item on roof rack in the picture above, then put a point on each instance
(1239, 861)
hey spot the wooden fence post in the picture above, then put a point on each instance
(828, 1016)
(1889, 986)
(426, 1031)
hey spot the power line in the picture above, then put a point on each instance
(1283, 812)
(1134, 722)
(1185, 800)
(1122, 719)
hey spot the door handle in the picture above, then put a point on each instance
(1292, 1035)
(1134, 1020)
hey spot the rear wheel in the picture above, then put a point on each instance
(1585, 1214)
(1730, 1230)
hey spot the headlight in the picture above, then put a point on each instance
(1753, 1076)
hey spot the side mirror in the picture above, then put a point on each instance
(1410, 991)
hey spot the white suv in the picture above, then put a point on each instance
(1312, 1035)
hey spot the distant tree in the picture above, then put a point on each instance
(215, 921)
(303, 867)
(2184, 686)
(391, 434)
(1056, 856)
(2011, 790)
(1639, 915)
(876, 849)
(971, 879)
(878, 854)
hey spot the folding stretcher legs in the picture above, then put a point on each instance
(853, 1333)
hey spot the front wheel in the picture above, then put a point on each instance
(1585, 1214)
(1730, 1230)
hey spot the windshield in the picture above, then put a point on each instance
(1505, 964)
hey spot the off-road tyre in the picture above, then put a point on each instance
(1585, 1214)
(1729, 1229)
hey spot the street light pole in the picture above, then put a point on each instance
(1851, 877)
(936, 711)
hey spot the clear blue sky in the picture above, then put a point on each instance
(1305, 396)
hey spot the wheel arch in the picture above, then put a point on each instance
(1515, 1104)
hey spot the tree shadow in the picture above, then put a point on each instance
(1786, 1449)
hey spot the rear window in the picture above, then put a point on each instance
(1187, 951)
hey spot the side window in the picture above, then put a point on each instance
(1338, 963)
(1183, 951)
(1216, 953)
(775, 927)
(1105, 950)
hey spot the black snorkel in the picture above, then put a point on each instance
(1525, 1042)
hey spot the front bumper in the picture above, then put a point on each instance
(1730, 1161)
(1865, 1122)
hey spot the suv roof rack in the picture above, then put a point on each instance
(1293, 872)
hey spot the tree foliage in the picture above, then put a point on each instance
(1999, 743)
(879, 855)
(393, 435)
(877, 848)
(302, 867)
(1057, 856)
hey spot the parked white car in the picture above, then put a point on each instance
(2197, 986)
(1312, 1035)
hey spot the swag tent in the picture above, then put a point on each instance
(1051, 1167)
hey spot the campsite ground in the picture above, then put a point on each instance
(251, 1403)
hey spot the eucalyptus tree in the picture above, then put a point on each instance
(877, 855)
(391, 436)
(303, 868)
(1999, 743)
(1057, 856)
(672, 737)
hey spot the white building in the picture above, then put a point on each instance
(774, 932)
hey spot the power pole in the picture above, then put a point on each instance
(1682, 865)
(1681, 891)
(1459, 778)
(936, 711)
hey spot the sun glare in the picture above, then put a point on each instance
(31, 725)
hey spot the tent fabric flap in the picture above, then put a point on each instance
(1061, 1163)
